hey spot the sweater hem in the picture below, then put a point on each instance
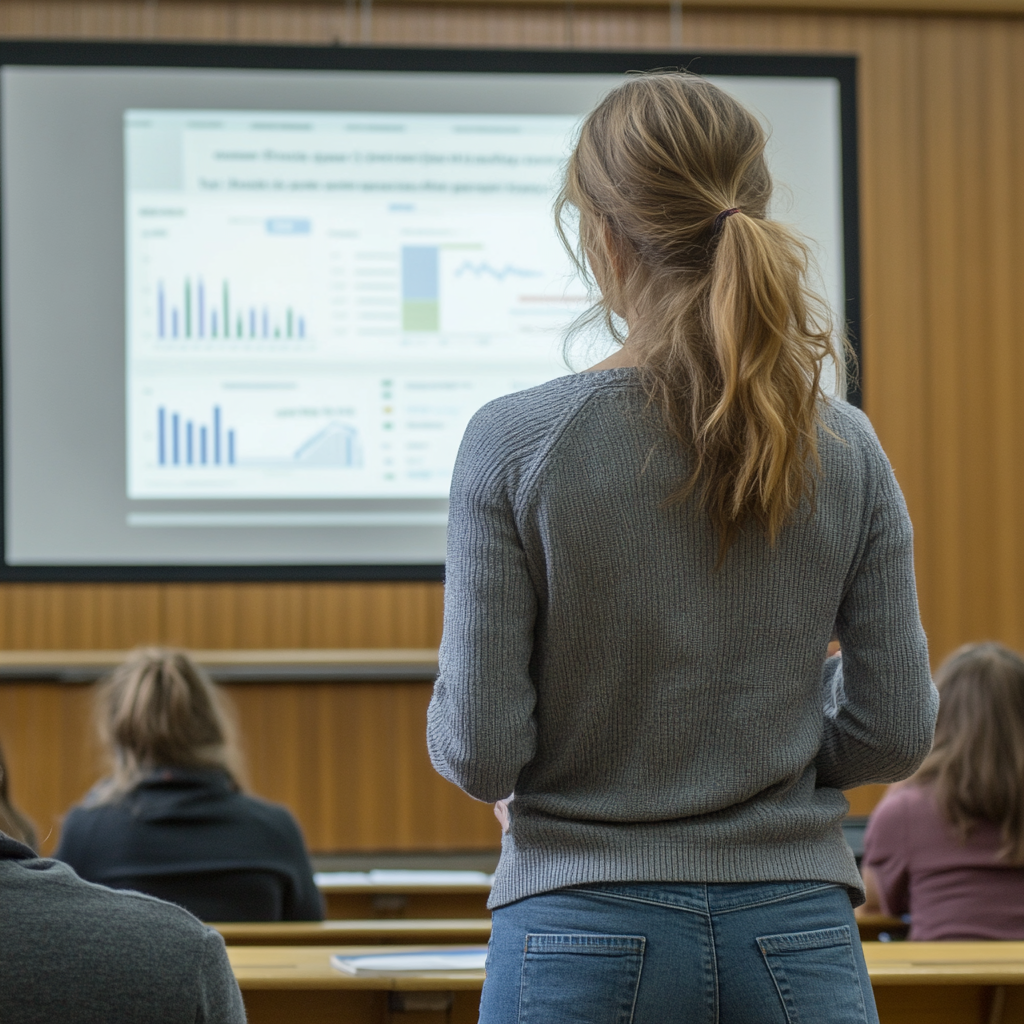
(522, 874)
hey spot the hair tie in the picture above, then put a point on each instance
(721, 218)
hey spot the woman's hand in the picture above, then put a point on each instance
(501, 812)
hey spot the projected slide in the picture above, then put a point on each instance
(317, 303)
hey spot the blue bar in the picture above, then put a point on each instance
(231, 447)
(252, 323)
(160, 309)
(216, 434)
(302, 326)
(266, 324)
(202, 445)
(202, 306)
(161, 443)
(188, 442)
(174, 438)
(174, 322)
(288, 226)
(419, 272)
(213, 324)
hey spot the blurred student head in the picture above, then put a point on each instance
(160, 709)
(976, 765)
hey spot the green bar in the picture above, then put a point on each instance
(241, 331)
(188, 308)
(421, 315)
(289, 322)
(227, 310)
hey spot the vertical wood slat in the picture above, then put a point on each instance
(351, 762)
(219, 615)
(942, 151)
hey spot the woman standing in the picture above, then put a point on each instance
(646, 564)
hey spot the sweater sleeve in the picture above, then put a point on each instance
(481, 730)
(880, 703)
(220, 1001)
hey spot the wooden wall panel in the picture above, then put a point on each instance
(942, 161)
(47, 735)
(941, 114)
(349, 760)
(219, 615)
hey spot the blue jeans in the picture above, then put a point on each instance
(668, 953)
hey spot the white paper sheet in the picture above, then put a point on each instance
(393, 963)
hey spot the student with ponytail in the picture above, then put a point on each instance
(646, 564)
(171, 820)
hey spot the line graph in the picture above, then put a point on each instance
(484, 287)
(483, 268)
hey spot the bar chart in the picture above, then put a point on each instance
(421, 300)
(189, 441)
(196, 311)
(183, 441)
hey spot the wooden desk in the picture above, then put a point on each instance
(414, 901)
(285, 984)
(475, 931)
(914, 983)
(947, 982)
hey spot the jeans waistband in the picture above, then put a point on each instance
(713, 898)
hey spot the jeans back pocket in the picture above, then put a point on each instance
(816, 976)
(580, 979)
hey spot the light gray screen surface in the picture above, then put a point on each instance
(244, 318)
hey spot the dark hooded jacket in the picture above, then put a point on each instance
(190, 836)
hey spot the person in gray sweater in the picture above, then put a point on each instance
(646, 565)
(79, 953)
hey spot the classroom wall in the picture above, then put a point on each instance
(942, 161)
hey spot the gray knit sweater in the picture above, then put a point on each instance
(76, 953)
(659, 720)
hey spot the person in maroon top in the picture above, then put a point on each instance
(947, 845)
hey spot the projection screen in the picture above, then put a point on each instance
(252, 296)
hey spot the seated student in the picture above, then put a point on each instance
(171, 820)
(12, 821)
(947, 846)
(79, 953)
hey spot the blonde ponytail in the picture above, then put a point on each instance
(672, 190)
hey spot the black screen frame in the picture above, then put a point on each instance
(208, 56)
